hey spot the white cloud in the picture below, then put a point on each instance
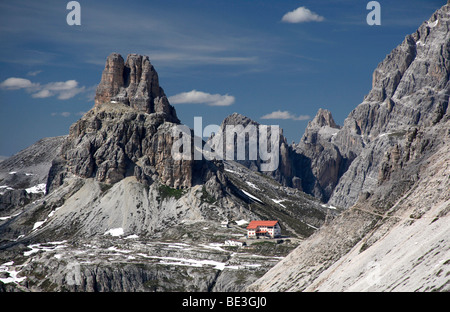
(34, 73)
(42, 94)
(301, 15)
(285, 115)
(17, 83)
(199, 97)
(64, 90)
(63, 114)
(62, 86)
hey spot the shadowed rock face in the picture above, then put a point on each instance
(325, 160)
(134, 83)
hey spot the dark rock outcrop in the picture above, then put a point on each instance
(15, 198)
(325, 160)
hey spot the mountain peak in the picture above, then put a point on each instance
(321, 127)
(237, 119)
(133, 82)
(324, 118)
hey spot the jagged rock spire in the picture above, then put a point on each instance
(324, 118)
(133, 82)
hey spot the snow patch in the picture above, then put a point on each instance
(278, 201)
(187, 262)
(175, 246)
(251, 196)
(214, 246)
(384, 134)
(328, 131)
(48, 247)
(252, 185)
(312, 226)
(7, 264)
(38, 224)
(115, 232)
(4, 188)
(241, 222)
(112, 248)
(328, 206)
(51, 214)
(434, 24)
(40, 188)
(9, 217)
(4, 268)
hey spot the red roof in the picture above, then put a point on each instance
(255, 224)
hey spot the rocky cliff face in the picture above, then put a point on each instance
(410, 91)
(23, 176)
(30, 166)
(393, 235)
(325, 159)
(113, 141)
(134, 83)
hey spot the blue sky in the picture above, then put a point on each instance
(213, 58)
